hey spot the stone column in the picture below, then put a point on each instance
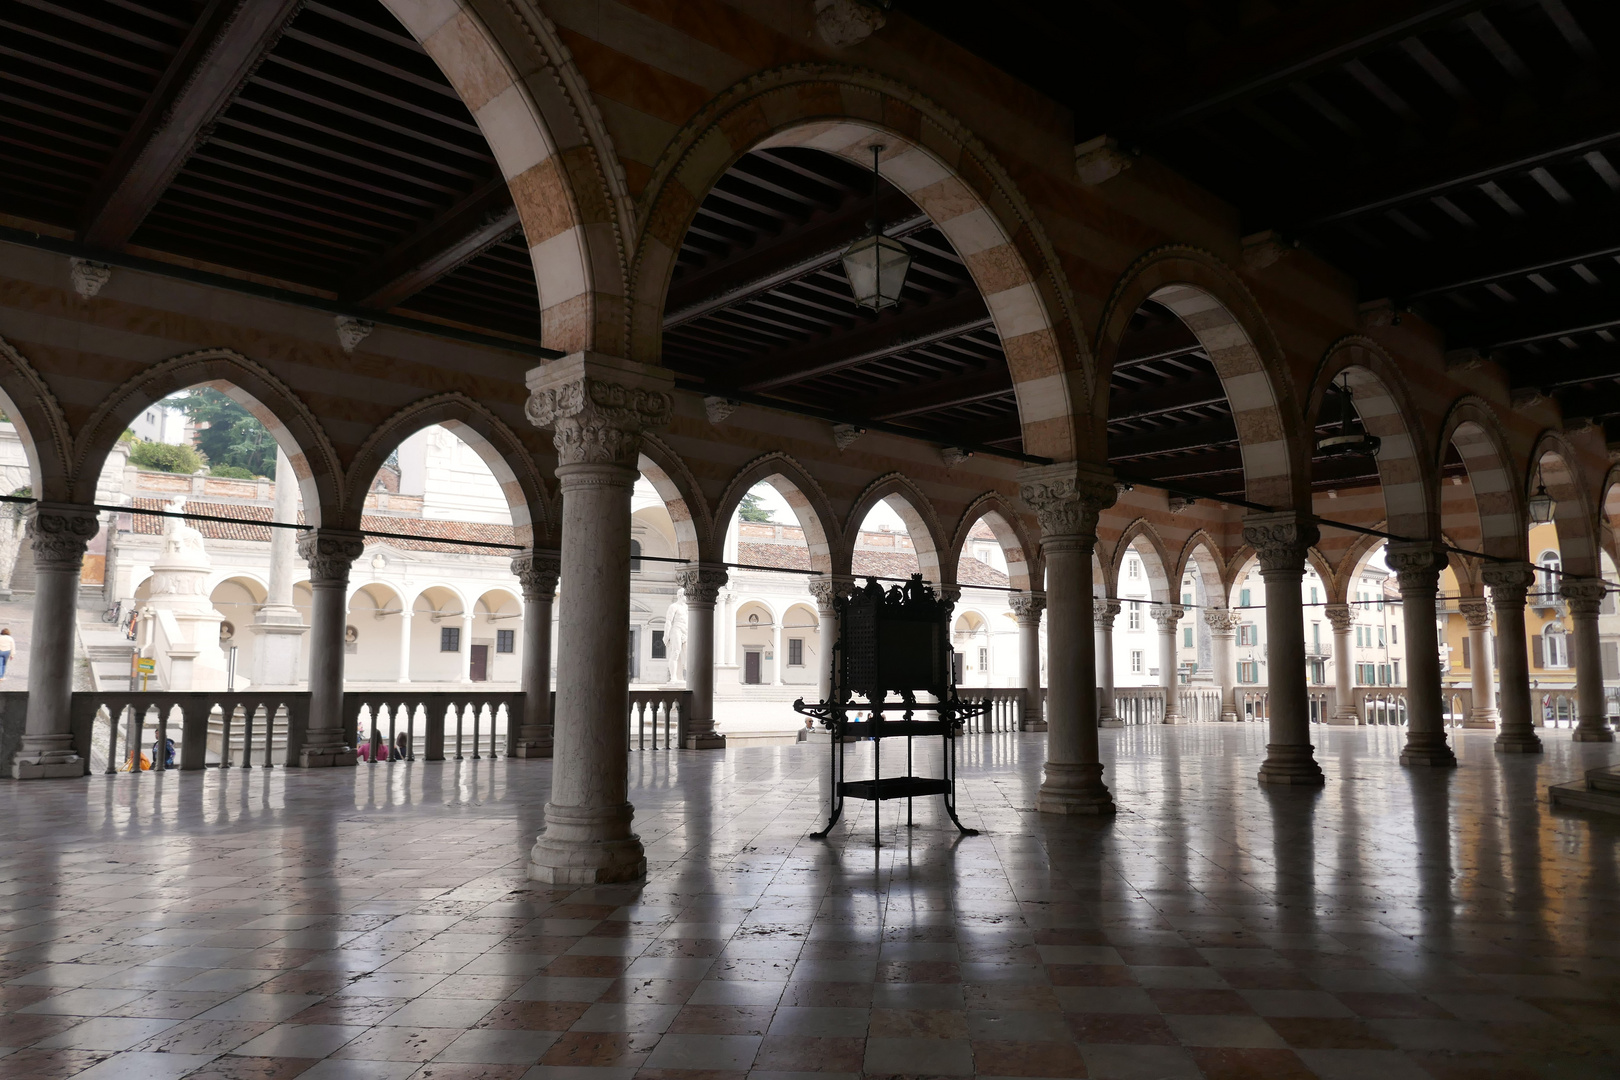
(329, 553)
(827, 592)
(1223, 624)
(597, 408)
(1103, 614)
(1509, 583)
(1280, 540)
(1168, 616)
(278, 627)
(1477, 613)
(466, 646)
(1067, 499)
(537, 573)
(59, 534)
(405, 617)
(777, 640)
(702, 584)
(1343, 620)
(1417, 567)
(1584, 598)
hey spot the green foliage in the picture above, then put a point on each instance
(129, 438)
(752, 508)
(231, 472)
(166, 457)
(227, 434)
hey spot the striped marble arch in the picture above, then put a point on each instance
(901, 495)
(1017, 548)
(1472, 429)
(1553, 460)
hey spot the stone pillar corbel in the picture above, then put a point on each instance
(1477, 614)
(702, 584)
(58, 533)
(1281, 540)
(597, 409)
(1584, 598)
(326, 741)
(1067, 499)
(1417, 567)
(1510, 584)
(537, 573)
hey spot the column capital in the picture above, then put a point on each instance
(597, 407)
(1280, 541)
(1067, 499)
(330, 553)
(1103, 613)
(828, 589)
(1167, 616)
(1027, 605)
(1509, 582)
(702, 583)
(1222, 621)
(537, 572)
(1584, 596)
(59, 533)
(1417, 565)
(1341, 616)
(1475, 612)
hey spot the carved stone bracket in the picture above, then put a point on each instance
(59, 534)
(330, 553)
(1280, 541)
(1585, 598)
(1068, 498)
(1341, 616)
(702, 583)
(597, 407)
(537, 572)
(1475, 612)
(1509, 582)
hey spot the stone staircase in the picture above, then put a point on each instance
(1599, 791)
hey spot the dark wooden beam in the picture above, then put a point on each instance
(929, 397)
(229, 40)
(1585, 234)
(887, 335)
(1536, 319)
(454, 238)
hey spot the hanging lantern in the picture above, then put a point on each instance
(1541, 503)
(1347, 442)
(875, 264)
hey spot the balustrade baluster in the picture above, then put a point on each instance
(227, 721)
(459, 715)
(477, 714)
(114, 718)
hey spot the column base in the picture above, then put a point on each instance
(1074, 790)
(1593, 734)
(1483, 720)
(533, 742)
(326, 750)
(46, 757)
(1431, 750)
(1173, 718)
(1291, 764)
(1107, 721)
(1229, 715)
(587, 846)
(1518, 742)
(532, 750)
(1343, 719)
(711, 740)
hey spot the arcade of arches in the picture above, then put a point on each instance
(602, 243)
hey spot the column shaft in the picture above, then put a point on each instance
(827, 591)
(1417, 567)
(326, 741)
(702, 585)
(1585, 598)
(1168, 616)
(1482, 714)
(1509, 583)
(1281, 541)
(1027, 608)
(537, 573)
(405, 646)
(1343, 621)
(59, 533)
(1223, 623)
(1104, 612)
(466, 646)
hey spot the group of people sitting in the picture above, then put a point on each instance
(377, 748)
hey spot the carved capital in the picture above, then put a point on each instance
(1341, 617)
(59, 533)
(1475, 612)
(537, 572)
(1027, 605)
(597, 407)
(948, 595)
(1417, 566)
(1167, 616)
(829, 590)
(703, 582)
(1509, 582)
(1584, 597)
(1222, 621)
(1067, 499)
(1280, 541)
(330, 553)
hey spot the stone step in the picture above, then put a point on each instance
(110, 654)
(1577, 795)
(1605, 779)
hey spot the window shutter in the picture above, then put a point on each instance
(1611, 660)
(1467, 660)
(1538, 651)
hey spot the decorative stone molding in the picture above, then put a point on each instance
(1027, 605)
(352, 331)
(1584, 598)
(1280, 541)
(844, 434)
(1068, 498)
(1099, 160)
(953, 456)
(842, 23)
(703, 582)
(88, 277)
(537, 572)
(720, 409)
(598, 407)
(1167, 616)
(330, 553)
(1475, 612)
(1222, 622)
(58, 533)
(1341, 616)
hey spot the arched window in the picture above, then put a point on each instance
(1550, 564)
(635, 556)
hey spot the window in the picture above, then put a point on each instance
(1248, 671)
(635, 556)
(1380, 635)
(1557, 647)
(449, 639)
(1547, 578)
(1186, 637)
(795, 652)
(984, 658)
(1243, 598)
(1394, 634)
(1186, 599)
(1136, 661)
(1395, 672)
(1248, 634)
(1134, 616)
(1316, 636)
(660, 651)
(1133, 569)
(1383, 674)
(1313, 594)
(505, 641)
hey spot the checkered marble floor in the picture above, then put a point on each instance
(376, 923)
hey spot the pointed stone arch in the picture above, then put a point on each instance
(1574, 514)
(289, 421)
(1140, 536)
(1215, 305)
(496, 444)
(1017, 547)
(940, 165)
(1383, 401)
(810, 506)
(1501, 526)
(664, 469)
(906, 499)
(1201, 550)
(41, 427)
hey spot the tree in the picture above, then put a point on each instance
(166, 457)
(227, 433)
(753, 508)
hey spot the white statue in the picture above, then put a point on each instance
(675, 637)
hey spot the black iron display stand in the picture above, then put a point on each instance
(892, 642)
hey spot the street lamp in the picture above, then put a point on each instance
(876, 265)
(1347, 442)
(1541, 504)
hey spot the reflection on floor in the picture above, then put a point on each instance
(376, 923)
